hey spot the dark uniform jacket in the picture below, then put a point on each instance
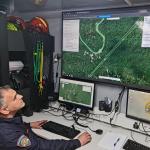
(17, 135)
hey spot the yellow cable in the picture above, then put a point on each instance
(41, 72)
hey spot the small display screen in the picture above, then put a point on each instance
(138, 105)
(76, 92)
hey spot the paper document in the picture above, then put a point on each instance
(112, 141)
(146, 32)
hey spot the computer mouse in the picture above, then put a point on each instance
(98, 131)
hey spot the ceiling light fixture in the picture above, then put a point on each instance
(128, 2)
(40, 2)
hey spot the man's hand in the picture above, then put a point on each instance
(84, 138)
(37, 124)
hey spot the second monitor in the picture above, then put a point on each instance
(138, 105)
(78, 94)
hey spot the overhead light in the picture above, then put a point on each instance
(40, 2)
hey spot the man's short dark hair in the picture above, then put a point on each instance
(2, 88)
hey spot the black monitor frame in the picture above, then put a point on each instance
(114, 12)
(71, 105)
(130, 116)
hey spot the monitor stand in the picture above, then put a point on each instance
(67, 106)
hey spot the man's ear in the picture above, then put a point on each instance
(4, 111)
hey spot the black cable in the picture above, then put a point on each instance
(63, 113)
(57, 109)
(51, 113)
(56, 75)
(147, 135)
(119, 100)
(135, 140)
(132, 136)
(117, 104)
(112, 118)
(67, 118)
(103, 114)
(98, 131)
(54, 110)
(91, 129)
(83, 117)
(76, 121)
(51, 107)
(144, 130)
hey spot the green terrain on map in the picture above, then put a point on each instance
(110, 48)
(74, 93)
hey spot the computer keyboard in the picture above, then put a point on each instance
(61, 129)
(132, 145)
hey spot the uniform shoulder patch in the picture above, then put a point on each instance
(23, 141)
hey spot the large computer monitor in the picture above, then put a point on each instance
(78, 94)
(107, 46)
(138, 105)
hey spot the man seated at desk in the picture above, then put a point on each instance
(17, 135)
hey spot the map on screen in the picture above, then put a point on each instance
(115, 49)
(76, 92)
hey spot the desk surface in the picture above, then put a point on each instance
(93, 124)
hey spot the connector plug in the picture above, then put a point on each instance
(136, 125)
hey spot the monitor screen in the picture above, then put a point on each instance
(113, 48)
(138, 105)
(76, 93)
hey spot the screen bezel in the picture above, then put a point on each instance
(74, 105)
(130, 116)
(115, 12)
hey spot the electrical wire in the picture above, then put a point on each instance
(83, 117)
(63, 112)
(78, 116)
(132, 136)
(119, 99)
(111, 119)
(75, 117)
(52, 113)
(56, 109)
(145, 130)
(103, 114)
(57, 75)
(117, 104)
(70, 118)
